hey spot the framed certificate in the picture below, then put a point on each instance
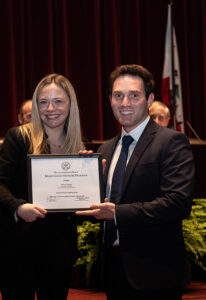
(65, 182)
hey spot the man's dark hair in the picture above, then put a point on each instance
(133, 70)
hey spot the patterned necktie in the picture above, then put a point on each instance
(116, 188)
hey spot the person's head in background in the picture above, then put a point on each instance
(24, 115)
(160, 113)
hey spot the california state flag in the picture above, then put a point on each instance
(176, 108)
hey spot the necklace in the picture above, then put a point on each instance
(55, 146)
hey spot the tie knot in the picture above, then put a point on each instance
(127, 140)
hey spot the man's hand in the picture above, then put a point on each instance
(102, 211)
(85, 152)
(29, 212)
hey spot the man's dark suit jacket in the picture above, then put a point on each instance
(157, 195)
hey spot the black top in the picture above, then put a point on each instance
(14, 192)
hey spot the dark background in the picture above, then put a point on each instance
(85, 40)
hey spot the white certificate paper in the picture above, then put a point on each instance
(65, 182)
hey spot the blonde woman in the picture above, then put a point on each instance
(39, 249)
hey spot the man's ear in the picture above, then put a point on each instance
(20, 119)
(150, 100)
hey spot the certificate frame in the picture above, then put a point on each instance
(73, 188)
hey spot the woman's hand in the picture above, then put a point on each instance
(30, 212)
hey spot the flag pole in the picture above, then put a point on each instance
(172, 91)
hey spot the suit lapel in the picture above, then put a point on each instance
(141, 146)
(110, 150)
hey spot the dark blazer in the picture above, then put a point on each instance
(156, 197)
(21, 235)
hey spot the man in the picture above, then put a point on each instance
(24, 115)
(160, 113)
(146, 259)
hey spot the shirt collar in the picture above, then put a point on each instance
(137, 131)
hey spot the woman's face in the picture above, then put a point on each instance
(54, 105)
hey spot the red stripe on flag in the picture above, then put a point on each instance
(165, 91)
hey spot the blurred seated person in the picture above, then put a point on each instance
(24, 115)
(160, 113)
(1, 141)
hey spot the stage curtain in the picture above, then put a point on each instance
(85, 40)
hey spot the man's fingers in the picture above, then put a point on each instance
(87, 212)
(103, 165)
(85, 152)
(41, 210)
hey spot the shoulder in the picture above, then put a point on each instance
(14, 139)
(168, 135)
(109, 144)
(164, 134)
(13, 134)
(172, 145)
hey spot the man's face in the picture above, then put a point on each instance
(159, 115)
(128, 101)
(25, 116)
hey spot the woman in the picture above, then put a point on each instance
(39, 248)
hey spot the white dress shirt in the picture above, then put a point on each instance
(135, 134)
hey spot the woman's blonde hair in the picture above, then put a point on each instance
(35, 130)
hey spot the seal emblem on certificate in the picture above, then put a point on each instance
(65, 165)
(65, 182)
